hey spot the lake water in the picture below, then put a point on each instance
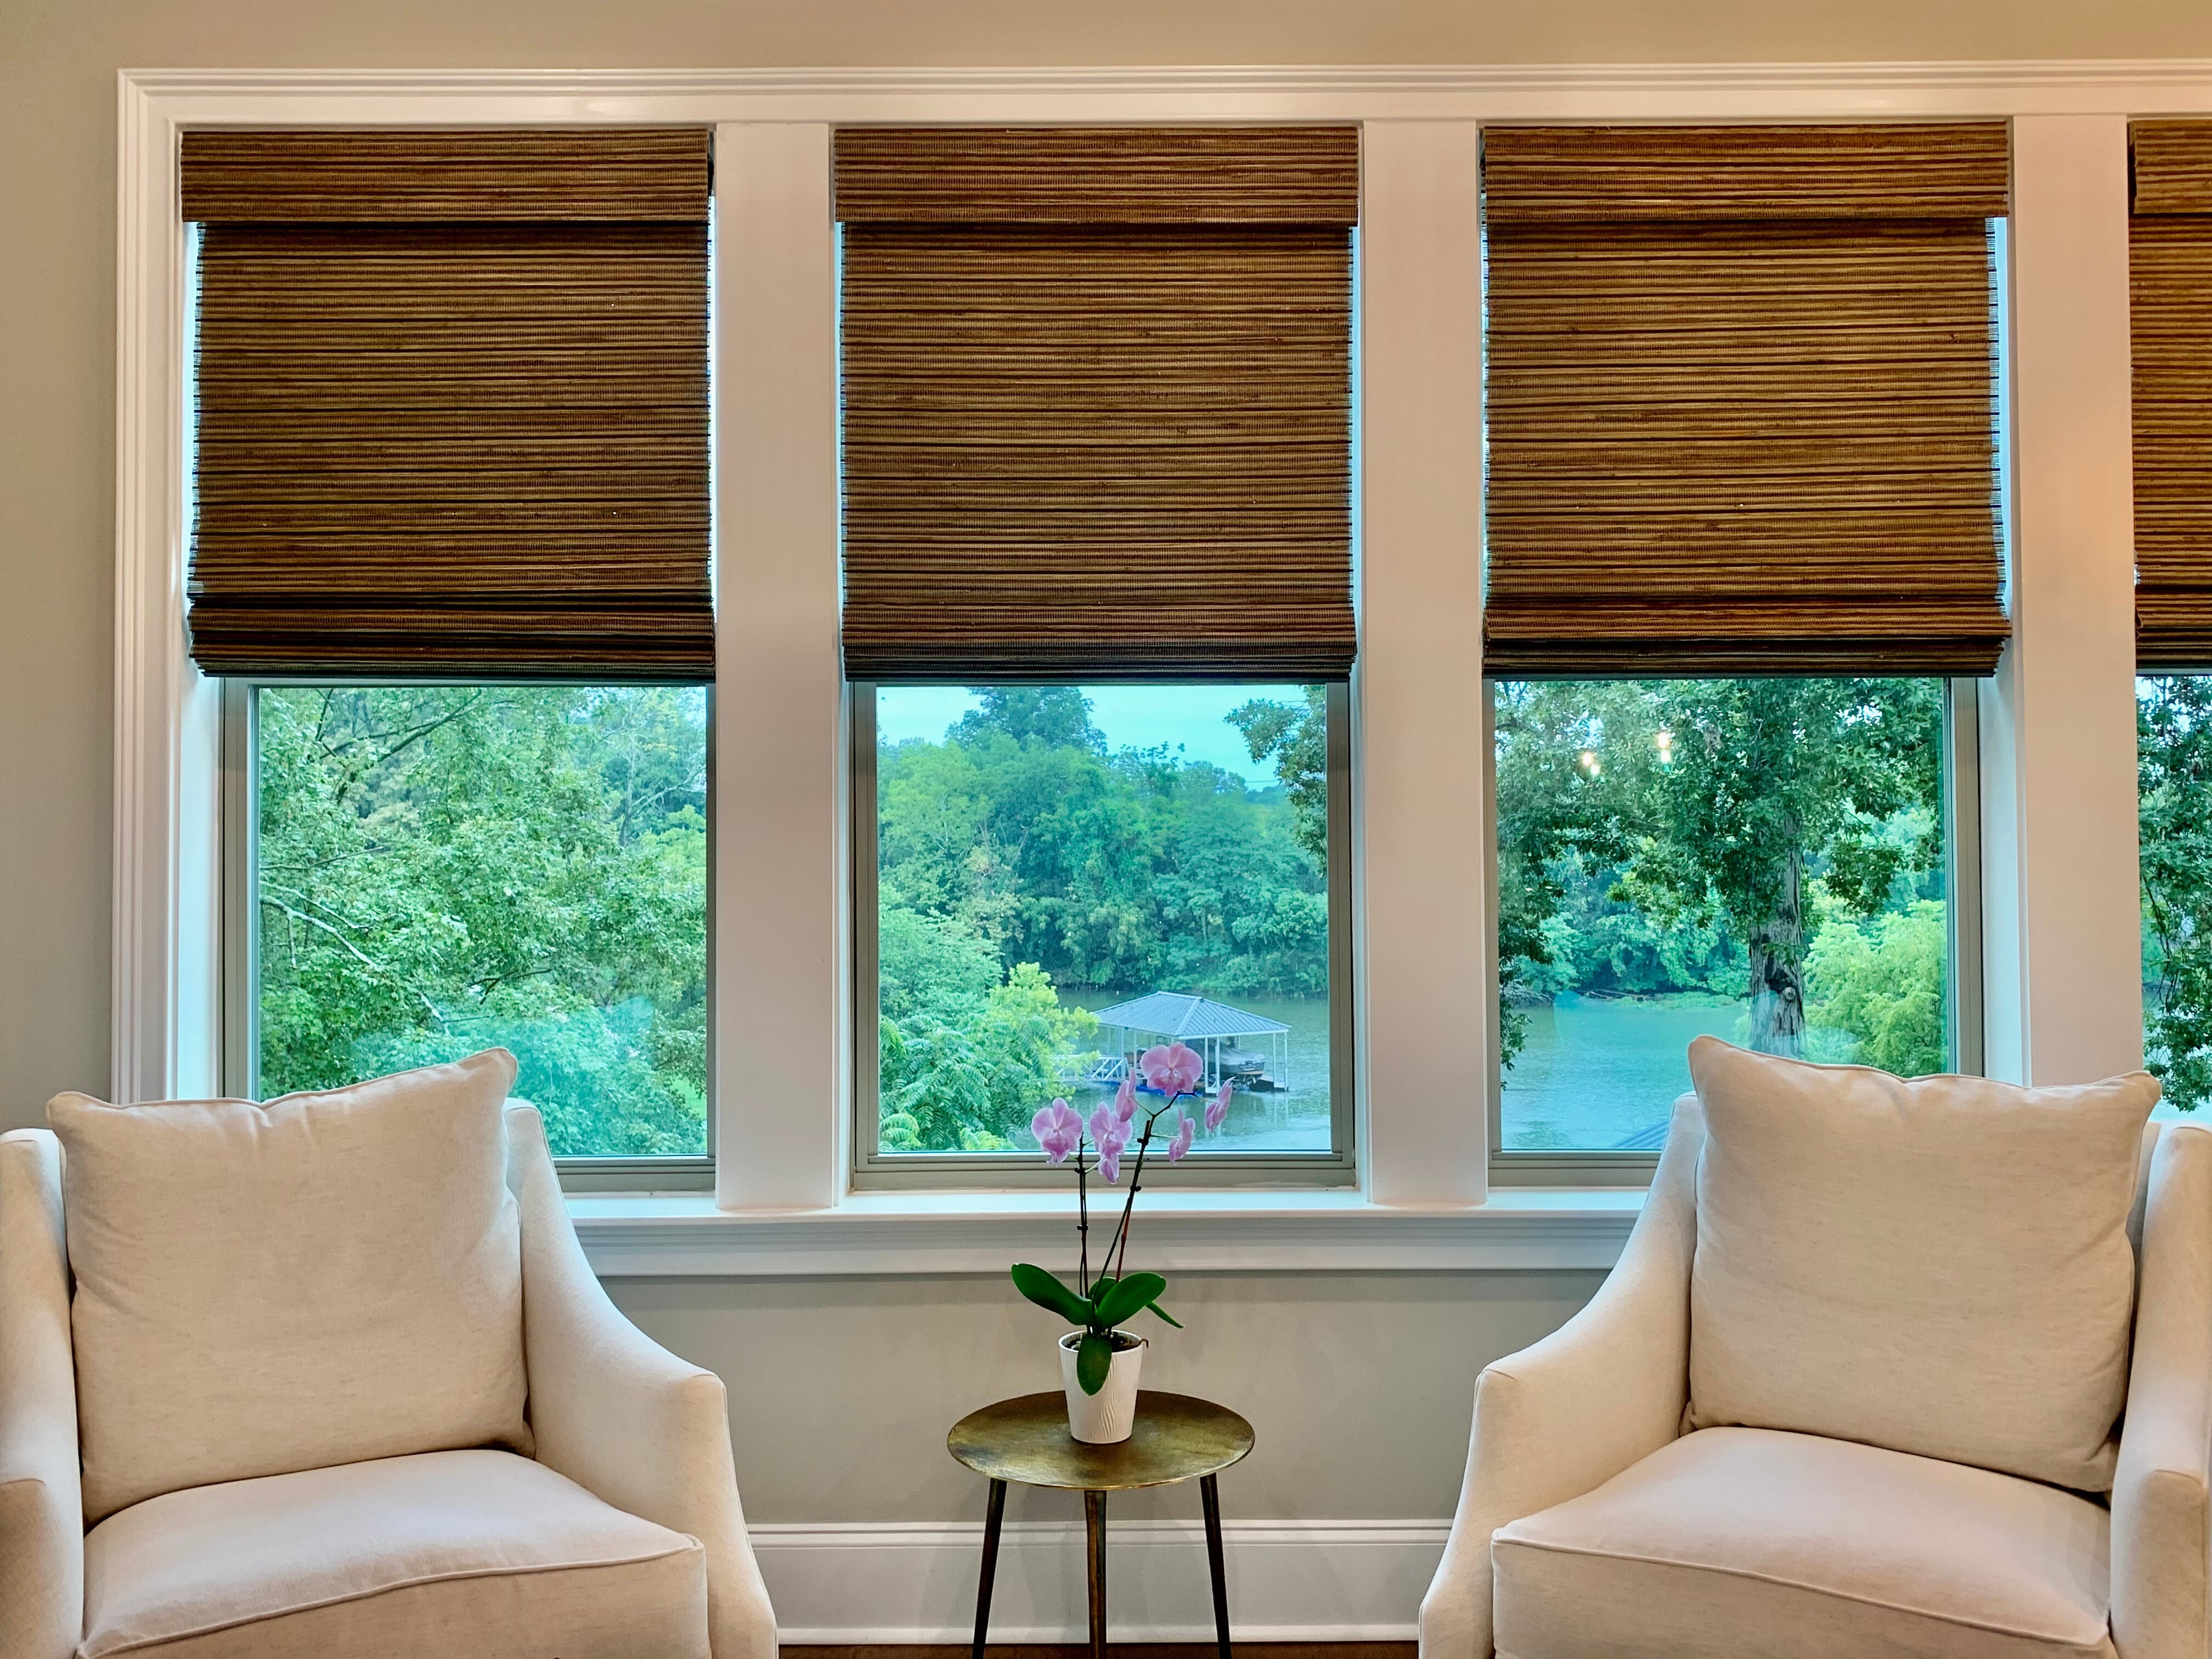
(1296, 1119)
(1596, 1072)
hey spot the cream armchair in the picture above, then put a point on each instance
(1593, 1521)
(596, 1542)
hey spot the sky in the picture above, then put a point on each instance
(1190, 717)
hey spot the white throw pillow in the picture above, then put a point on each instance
(1939, 1266)
(321, 1279)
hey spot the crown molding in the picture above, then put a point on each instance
(1380, 92)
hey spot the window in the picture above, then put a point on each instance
(1096, 421)
(2173, 726)
(1743, 421)
(1055, 877)
(465, 662)
(1770, 861)
(432, 870)
(2169, 237)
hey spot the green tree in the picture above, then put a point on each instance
(930, 970)
(1766, 783)
(1874, 990)
(1056, 716)
(956, 1075)
(1021, 840)
(1128, 869)
(2173, 760)
(1572, 763)
(1294, 740)
(441, 869)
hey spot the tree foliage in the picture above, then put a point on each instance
(1669, 835)
(1770, 782)
(1293, 738)
(1874, 989)
(442, 869)
(2173, 760)
(1018, 856)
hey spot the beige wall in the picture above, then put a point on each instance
(1360, 1384)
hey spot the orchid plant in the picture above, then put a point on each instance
(1099, 1305)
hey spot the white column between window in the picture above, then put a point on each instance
(1430, 1024)
(780, 882)
(2061, 972)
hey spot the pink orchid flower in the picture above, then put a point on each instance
(1058, 1131)
(1125, 1098)
(1107, 1130)
(1217, 1109)
(1185, 1130)
(1111, 1135)
(1174, 1070)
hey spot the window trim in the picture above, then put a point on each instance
(240, 944)
(1962, 887)
(874, 1169)
(2058, 837)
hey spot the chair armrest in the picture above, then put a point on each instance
(620, 1415)
(1562, 1417)
(2163, 1487)
(42, 1505)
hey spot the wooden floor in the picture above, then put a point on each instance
(1123, 1650)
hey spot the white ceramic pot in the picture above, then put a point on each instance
(1103, 1418)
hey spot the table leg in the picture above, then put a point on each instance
(1094, 1528)
(1210, 1495)
(993, 1514)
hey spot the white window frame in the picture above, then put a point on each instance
(2061, 1001)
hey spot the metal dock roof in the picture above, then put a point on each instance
(1180, 1014)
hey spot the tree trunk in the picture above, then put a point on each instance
(1778, 969)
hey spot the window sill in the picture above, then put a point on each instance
(648, 1234)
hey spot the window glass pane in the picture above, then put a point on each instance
(1068, 875)
(1761, 861)
(2173, 759)
(442, 869)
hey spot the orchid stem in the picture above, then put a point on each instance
(1082, 1225)
(1136, 1175)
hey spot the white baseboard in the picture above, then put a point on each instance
(1289, 1581)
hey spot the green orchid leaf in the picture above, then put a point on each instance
(1126, 1297)
(1047, 1292)
(1092, 1357)
(1156, 1308)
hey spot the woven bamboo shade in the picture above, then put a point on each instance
(1741, 401)
(1097, 402)
(452, 404)
(2170, 274)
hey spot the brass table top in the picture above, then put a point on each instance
(1026, 1440)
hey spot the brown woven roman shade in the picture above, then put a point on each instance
(1097, 402)
(2170, 274)
(452, 404)
(1741, 394)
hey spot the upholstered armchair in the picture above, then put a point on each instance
(532, 1477)
(1836, 1402)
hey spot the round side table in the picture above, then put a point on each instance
(1176, 1438)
